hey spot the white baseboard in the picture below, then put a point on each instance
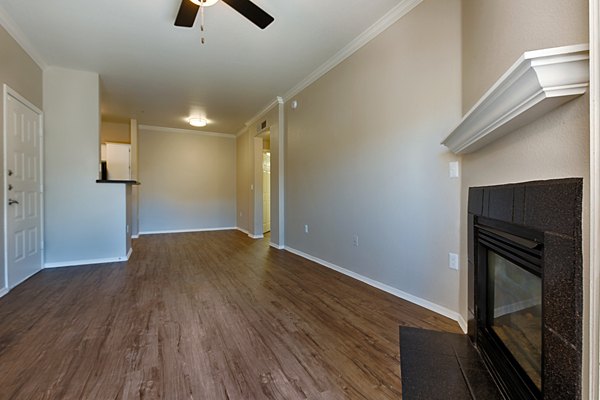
(85, 262)
(249, 234)
(129, 253)
(135, 236)
(446, 312)
(463, 324)
(3, 292)
(229, 228)
(24, 279)
(278, 247)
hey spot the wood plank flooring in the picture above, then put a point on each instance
(203, 316)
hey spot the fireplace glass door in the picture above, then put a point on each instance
(515, 312)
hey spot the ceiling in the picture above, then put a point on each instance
(162, 74)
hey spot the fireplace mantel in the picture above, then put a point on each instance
(536, 84)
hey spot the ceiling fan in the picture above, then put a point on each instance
(189, 10)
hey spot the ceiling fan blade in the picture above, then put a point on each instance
(251, 11)
(187, 14)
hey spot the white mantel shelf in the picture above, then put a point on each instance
(536, 84)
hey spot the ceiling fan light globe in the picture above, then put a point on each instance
(204, 3)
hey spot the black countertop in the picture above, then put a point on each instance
(127, 182)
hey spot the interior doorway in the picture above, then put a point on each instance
(262, 183)
(266, 192)
(269, 135)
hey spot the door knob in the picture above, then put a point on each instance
(11, 202)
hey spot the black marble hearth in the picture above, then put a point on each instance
(442, 366)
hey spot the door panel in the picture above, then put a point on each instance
(23, 191)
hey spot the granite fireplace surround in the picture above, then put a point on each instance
(553, 207)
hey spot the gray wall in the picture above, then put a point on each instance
(188, 181)
(85, 222)
(22, 74)
(495, 34)
(364, 157)
(135, 198)
(249, 172)
(243, 180)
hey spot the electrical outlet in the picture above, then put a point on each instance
(355, 240)
(305, 228)
(453, 261)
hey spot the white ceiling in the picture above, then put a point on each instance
(161, 74)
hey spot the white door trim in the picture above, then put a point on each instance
(8, 91)
(592, 364)
(281, 124)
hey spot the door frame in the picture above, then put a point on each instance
(591, 365)
(256, 200)
(8, 91)
(264, 151)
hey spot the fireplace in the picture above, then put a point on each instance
(525, 286)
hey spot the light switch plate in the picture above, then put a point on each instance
(453, 169)
(453, 261)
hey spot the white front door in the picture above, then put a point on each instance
(23, 188)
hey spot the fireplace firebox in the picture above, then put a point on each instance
(509, 291)
(525, 286)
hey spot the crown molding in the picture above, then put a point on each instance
(278, 101)
(262, 112)
(537, 83)
(241, 131)
(391, 17)
(399, 11)
(17, 34)
(187, 131)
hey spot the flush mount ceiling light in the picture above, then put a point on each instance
(198, 122)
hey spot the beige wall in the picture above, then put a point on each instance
(22, 74)
(364, 158)
(85, 222)
(249, 172)
(243, 179)
(135, 202)
(188, 181)
(115, 132)
(495, 34)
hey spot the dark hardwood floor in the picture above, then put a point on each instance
(203, 316)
